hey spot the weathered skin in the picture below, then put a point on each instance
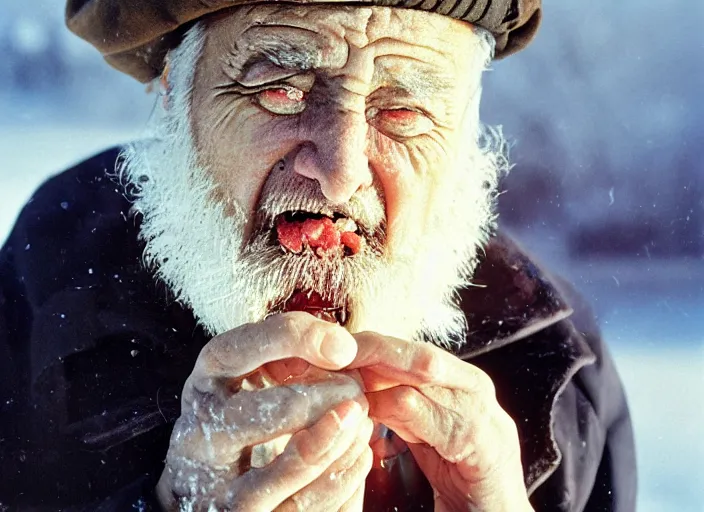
(446, 410)
(375, 64)
(208, 461)
(383, 102)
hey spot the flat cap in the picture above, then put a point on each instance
(134, 35)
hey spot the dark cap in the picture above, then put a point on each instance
(134, 35)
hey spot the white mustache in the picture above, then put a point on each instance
(286, 191)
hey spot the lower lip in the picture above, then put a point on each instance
(312, 302)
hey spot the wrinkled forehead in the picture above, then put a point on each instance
(309, 37)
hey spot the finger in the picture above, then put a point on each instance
(242, 350)
(385, 361)
(463, 428)
(356, 476)
(356, 502)
(294, 369)
(337, 485)
(249, 418)
(327, 495)
(416, 418)
(308, 454)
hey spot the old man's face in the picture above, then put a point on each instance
(281, 117)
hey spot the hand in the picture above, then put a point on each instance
(446, 410)
(224, 422)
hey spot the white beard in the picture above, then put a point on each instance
(199, 251)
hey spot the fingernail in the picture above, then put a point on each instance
(338, 347)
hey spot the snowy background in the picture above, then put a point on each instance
(606, 114)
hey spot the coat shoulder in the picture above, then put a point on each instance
(592, 427)
(96, 350)
(68, 198)
(74, 222)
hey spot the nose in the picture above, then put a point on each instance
(335, 156)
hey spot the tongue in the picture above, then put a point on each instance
(322, 235)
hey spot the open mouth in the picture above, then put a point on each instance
(326, 236)
(312, 302)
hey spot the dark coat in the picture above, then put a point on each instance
(94, 354)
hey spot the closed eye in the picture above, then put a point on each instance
(400, 122)
(282, 100)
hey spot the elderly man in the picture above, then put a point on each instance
(291, 294)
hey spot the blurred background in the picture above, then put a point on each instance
(606, 117)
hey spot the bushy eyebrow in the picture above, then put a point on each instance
(277, 50)
(288, 56)
(419, 81)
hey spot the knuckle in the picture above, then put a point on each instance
(348, 478)
(428, 362)
(307, 450)
(347, 461)
(480, 408)
(408, 398)
(459, 439)
(287, 506)
(206, 407)
(506, 424)
(180, 437)
(245, 492)
(484, 383)
(225, 348)
(188, 393)
(408, 402)
(208, 362)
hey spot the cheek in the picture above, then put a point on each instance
(239, 151)
(410, 216)
(408, 176)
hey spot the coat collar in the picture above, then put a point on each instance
(520, 333)
(510, 299)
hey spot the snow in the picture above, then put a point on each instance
(664, 387)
